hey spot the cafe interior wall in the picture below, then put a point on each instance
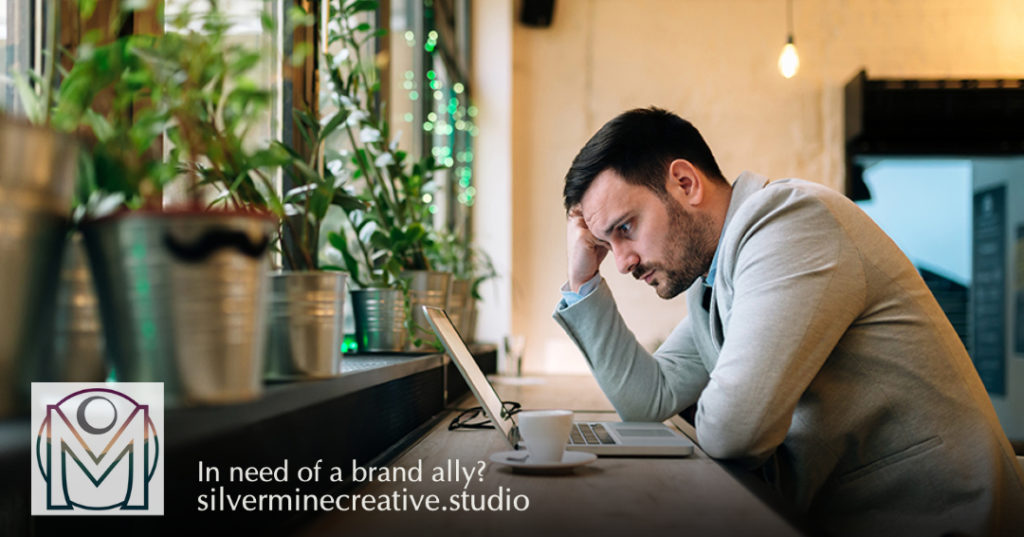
(544, 91)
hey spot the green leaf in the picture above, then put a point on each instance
(338, 241)
(415, 233)
(102, 128)
(333, 124)
(361, 5)
(299, 53)
(318, 205)
(379, 239)
(267, 20)
(86, 8)
(31, 102)
(242, 63)
(347, 201)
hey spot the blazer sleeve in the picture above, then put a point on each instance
(797, 284)
(641, 386)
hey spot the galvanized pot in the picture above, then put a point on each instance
(37, 169)
(459, 301)
(304, 324)
(37, 160)
(426, 288)
(470, 322)
(380, 319)
(78, 340)
(183, 297)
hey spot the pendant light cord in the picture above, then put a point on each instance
(789, 20)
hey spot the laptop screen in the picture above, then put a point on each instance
(463, 359)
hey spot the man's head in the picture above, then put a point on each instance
(648, 186)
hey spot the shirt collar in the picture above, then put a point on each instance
(745, 185)
(709, 280)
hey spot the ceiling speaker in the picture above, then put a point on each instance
(537, 13)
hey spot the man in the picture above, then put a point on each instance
(812, 347)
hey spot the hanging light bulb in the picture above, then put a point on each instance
(789, 60)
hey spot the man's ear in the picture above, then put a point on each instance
(685, 182)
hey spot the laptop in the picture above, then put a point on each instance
(605, 438)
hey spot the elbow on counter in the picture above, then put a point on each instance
(630, 413)
(732, 442)
(644, 409)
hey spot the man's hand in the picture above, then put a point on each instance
(585, 251)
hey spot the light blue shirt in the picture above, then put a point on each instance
(709, 280)
(570, 297)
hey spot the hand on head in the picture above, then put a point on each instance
(585, 251)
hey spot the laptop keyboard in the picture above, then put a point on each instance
(589, 434)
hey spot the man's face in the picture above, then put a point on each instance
(652, 237)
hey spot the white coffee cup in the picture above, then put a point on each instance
(545, 433)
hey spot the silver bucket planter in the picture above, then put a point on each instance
(471, 321)
(78, 342)
(459, 301)
(31, 244)
(183, 297)
(380, 319)
(426, 288)
(37, 168)
(304, 325)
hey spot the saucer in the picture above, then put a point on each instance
(570, 460)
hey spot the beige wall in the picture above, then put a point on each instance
(493, 24)
(713, 62)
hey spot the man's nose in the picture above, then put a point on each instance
(625, 260)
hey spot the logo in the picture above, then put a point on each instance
(97, 448)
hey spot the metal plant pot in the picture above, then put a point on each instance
(459, 301)
(36, 176)
(304, 325)
(37, 160)
(468, 330)
(426, 288)
(78, 339)
(182, 296)
(380, 319)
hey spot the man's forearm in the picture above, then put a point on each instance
(640, 386)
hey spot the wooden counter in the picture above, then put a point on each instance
(612, 496)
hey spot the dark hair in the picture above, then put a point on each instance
(639, 145)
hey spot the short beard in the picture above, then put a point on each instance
(690, 246)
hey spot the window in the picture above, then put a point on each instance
(246, 28)
(429, 98)
(15, 47)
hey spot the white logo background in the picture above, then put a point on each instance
(102, 422)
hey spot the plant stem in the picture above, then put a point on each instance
(366, 174)
(392, 194)
(50, 55)
(287, 254)
(362, 249)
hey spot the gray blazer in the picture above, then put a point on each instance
(825, 361)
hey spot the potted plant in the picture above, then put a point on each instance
(307, 300)
(36, 179)
(470, 267)
(306, 310)
(181, 290)
(384, 244)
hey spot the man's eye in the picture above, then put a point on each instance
(625, 228)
